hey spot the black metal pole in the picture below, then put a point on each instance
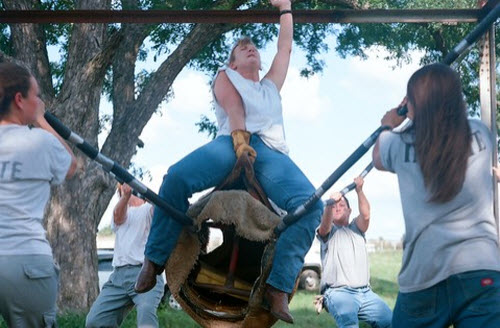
(118, 172)
(346, 165)
(468, 41)
(471, 38)
(350, 186)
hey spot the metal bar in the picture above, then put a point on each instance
(494, 104)
(350, 186)
(450, 16)
(110, 166)
(487, 96)
(346, 165)
(473, 36)
(469, 40)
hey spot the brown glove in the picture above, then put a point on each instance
(241, 144)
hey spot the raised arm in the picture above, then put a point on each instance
(363, 220)
(279, 67)
(120, 211)
(392, 119)
(327, 220)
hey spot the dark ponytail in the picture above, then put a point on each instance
(442, 133)
(14, 78)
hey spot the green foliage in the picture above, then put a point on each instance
(5, 41)
(140, 172)
(205, 125)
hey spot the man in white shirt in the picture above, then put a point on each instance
(131, 222)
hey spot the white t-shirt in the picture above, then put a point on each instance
(31, 159)
(131, 236)
(263, 112)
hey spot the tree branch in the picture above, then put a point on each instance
(29, 47)
(124, 65)
(155, 90)
(439, 41)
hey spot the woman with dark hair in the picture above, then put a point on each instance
(451, 261)
(31, 160)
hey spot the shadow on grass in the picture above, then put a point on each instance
(384, 288)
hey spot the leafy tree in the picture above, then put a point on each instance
(100, 60)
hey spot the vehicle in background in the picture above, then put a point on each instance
(310, 276)
(104, 265)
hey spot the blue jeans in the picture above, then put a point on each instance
(350, 305)
(282, 181)
(469, 299)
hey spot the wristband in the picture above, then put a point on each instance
(287, 11)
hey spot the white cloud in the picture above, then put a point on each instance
(377, 68)
(191, 94)
(301, 97)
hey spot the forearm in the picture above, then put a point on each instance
(285, 37)
(364, 206)
(326, 223)
(120, 211)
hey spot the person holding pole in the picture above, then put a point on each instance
(250, 121)
(33, 157)
(450, 273)
(345, 276)
(132, 218)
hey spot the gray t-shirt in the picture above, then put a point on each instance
(344, 258)
(30, 161)
(448, 238)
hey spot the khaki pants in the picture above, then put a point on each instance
(118, 297)
(28, 290)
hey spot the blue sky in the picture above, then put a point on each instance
(326, 118)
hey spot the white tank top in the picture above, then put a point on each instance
(262, 104)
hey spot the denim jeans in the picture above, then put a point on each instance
(348, 306)
(282, 181)
(469, 299)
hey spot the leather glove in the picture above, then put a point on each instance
(241, 144)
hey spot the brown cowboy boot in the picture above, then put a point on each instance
(278, 304)
(147, 277)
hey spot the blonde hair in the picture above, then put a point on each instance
(241, 42)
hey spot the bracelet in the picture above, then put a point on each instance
(287, 11)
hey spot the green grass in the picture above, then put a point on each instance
(384, 270)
